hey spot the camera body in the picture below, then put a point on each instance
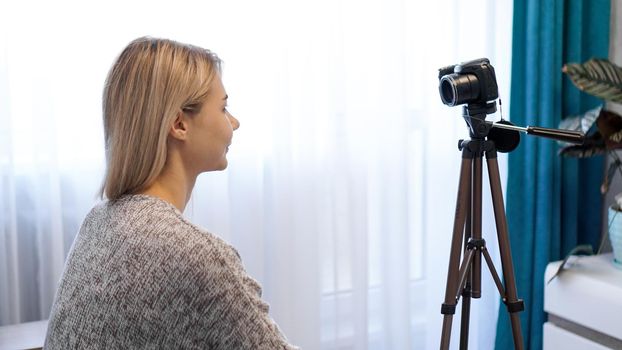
(473, 82)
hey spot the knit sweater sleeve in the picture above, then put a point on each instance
(239, 318)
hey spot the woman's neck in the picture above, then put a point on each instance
(173, 186)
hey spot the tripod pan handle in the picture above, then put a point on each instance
(557, 134)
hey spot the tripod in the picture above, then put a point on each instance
(464, 278)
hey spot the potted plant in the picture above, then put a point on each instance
(603, 130)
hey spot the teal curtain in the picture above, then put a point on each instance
(553, 203)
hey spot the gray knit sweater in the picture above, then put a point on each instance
(141, 276)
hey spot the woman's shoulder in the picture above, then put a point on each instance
(157, 224)
(149, 236)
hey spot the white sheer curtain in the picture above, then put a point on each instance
(341, 188)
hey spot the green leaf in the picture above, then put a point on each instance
(585, 249)
(609, 124)
(581, 152)
(592, 146)
(583, 122)
(597, 77)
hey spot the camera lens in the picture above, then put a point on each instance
(447, 90)
(456, 89)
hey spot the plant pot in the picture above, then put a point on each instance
(615, 234)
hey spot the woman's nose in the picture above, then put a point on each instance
(235, 124)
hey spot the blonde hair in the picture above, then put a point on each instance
(151, 81)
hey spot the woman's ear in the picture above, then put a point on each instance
(179, 128)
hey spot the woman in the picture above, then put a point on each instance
(139, 275)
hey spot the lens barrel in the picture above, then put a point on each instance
(456, 89)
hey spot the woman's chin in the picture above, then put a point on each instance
(222, 165)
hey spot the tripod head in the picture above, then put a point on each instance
(497, 139)
(506, 135)
(474, 115)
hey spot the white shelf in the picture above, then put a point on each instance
(559, 338)
(587, 295)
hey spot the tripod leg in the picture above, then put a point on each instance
(473, 231)
(463, 201)
(477, 225)
(466, 314)
(466, 291)
(465, 275)
(493, 272)
(512, 302)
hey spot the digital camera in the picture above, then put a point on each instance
(473, 82)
